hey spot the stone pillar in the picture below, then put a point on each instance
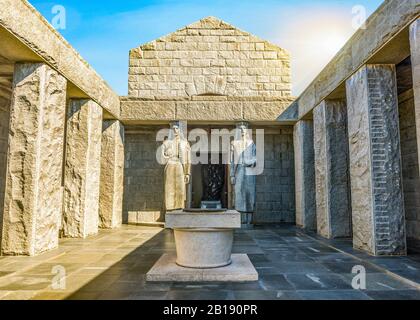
(33, 193)
(82, 169)
(305, 174)
(375, 161)
(331, 169)
(112, 175)
(4, 138)
(415, 62)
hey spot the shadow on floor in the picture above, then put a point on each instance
(291, 266)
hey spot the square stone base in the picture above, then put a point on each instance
(165, 269)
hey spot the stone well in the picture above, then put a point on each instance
(203, 237)
(204, 241)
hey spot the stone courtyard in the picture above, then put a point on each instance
(84, 197)
(292, 265)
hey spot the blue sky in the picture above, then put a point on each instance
(104, 31)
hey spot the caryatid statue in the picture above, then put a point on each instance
(176, 153)
(243, 159)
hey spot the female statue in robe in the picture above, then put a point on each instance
(176, 153)
(243, 159)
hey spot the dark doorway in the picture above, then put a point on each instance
(209, 183)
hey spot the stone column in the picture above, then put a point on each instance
(4, 138)
(331, 169)
(415, 61)
(375, 161)
(112, 175)
(82, 169)
(305, 174)
(33, 193)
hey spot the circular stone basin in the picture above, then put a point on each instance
(203, 248)
(203, 237)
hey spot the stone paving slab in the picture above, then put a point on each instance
(291, 265)
(166, 269)
(404, 268)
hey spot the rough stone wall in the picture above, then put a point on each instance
(410, 164)
(82, 169)
(33, 197)
(4, 135)
(275, 187)
(112, 175)
(331, 169)
(375, 161)
(340, 199)
(360, 166)
(303, 139)
(209, 57)
(323, 218)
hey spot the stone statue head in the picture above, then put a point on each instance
(177, 130)
(242, 130)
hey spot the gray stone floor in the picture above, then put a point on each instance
(291, 265)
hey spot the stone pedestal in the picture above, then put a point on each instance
(203, 242)
(331, 169)
(82, 169)
(305, 174)
(166, 269)
(112, 175)
(375, 161)
(33, 193)
(415, 61)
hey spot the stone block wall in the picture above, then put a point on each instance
(209, 57)
(410, 164)
(276, 186)
(144, 178)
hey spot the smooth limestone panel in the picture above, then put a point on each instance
(33, 196)
(375, 161)
(331, 169)
(112, 175)
(82, 169)
(305, 174)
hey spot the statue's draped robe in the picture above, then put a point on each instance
(177, 153)
(243, 159)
